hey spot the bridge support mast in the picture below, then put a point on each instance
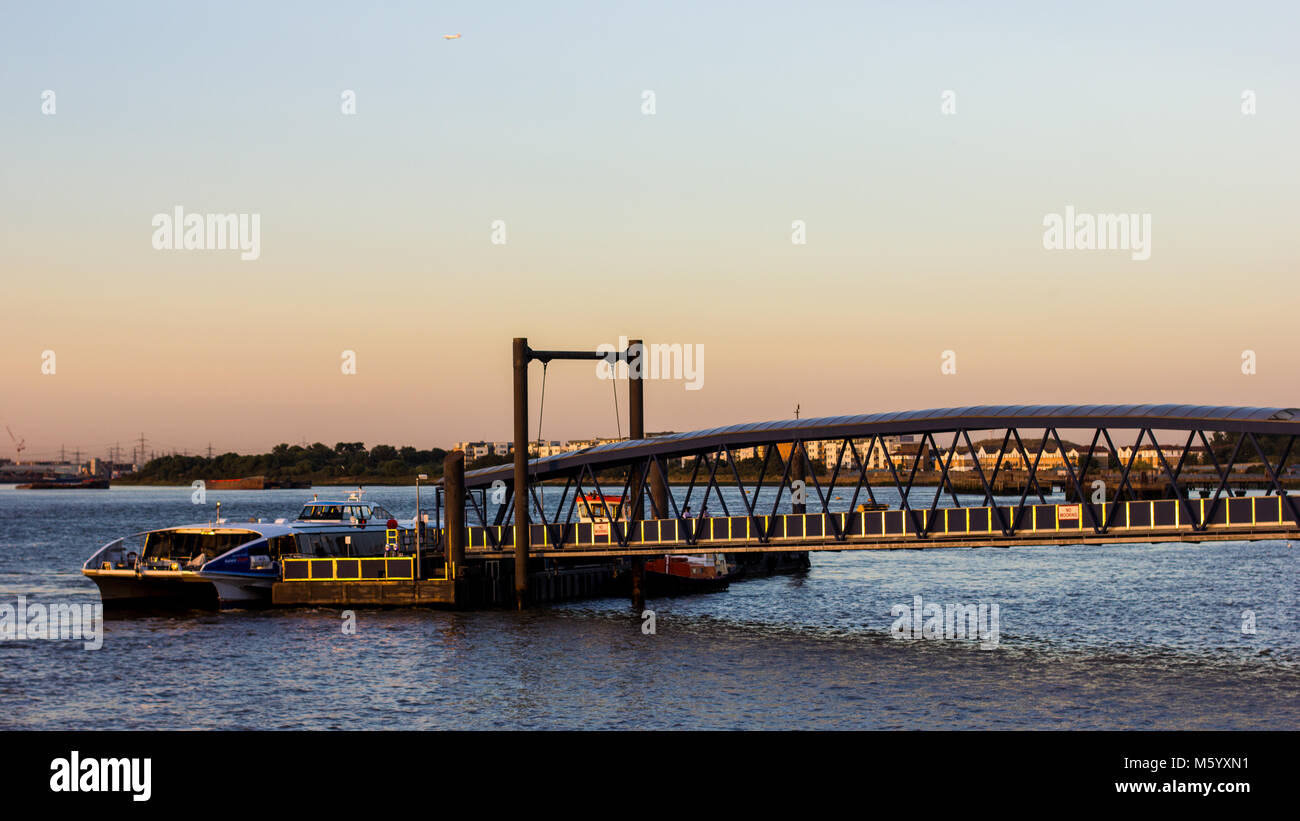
(522, 355)
(453, 472)
(636, 430)
(522, 533)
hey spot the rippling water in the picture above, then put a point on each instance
(1123, 636)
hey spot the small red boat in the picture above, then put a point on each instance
(689, 573)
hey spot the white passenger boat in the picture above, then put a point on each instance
(225, 564)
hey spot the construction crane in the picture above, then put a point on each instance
(19, 444)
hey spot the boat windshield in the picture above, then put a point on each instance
(183, 545)
(319, 512)
(334, 512)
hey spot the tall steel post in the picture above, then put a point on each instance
(521, 471)
(636, 426)
(636, 430)
(453, 482)
(635, 392)
(419, 526)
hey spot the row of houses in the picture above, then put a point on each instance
(541, 448)
(477, 450)
(905, 451)
(905, 454)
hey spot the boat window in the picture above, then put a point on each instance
(321, 512)
(174, 544)
(283, 546)
(382, 513)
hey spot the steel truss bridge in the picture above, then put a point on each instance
(636, 469)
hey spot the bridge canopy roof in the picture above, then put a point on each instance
(976, 417)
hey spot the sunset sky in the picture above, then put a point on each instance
(924, 229)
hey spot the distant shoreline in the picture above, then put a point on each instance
(608, 488)
(190, 482)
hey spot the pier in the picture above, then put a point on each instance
(517, 556)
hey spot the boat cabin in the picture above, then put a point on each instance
(353, 512)
(592, 507)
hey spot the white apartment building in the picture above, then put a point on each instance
(544, 448)
(902, 450)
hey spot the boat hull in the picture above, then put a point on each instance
(84, 484)
(666, 584)
(236, 590)
(124, 590)
(127, 590)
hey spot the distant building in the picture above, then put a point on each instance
(901, 449)
(816, 450)
(474, 450)
(544, 448)
(1052, 458)
(1172, 453)
(583, 444)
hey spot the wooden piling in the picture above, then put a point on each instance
(453, 482)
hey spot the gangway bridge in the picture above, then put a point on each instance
(660, 524)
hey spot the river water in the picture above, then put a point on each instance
(1123, 636)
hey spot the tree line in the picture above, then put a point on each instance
(345, 463)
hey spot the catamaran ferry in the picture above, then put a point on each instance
(224, 564)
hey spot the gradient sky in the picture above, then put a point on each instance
(924, 230)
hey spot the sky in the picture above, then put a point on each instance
(923, 225)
